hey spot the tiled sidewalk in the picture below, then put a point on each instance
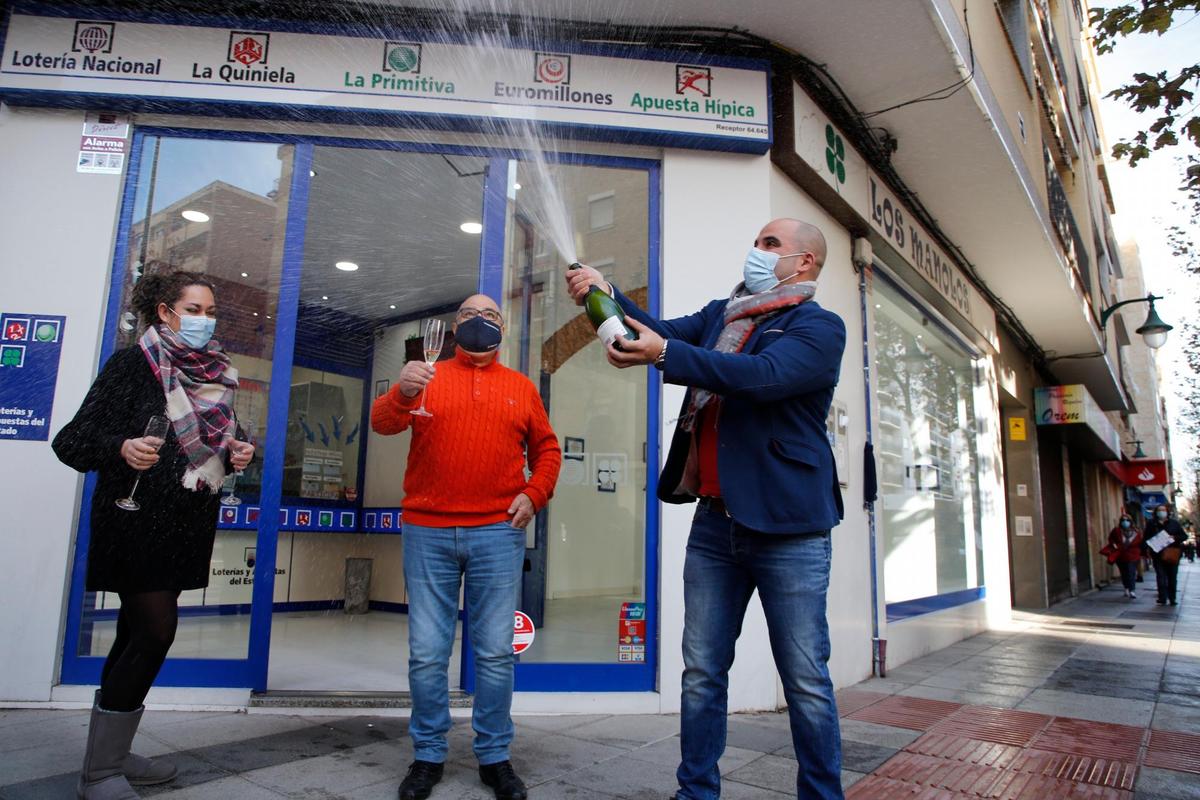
(1098, 698)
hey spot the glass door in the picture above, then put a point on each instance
(591, 557)
(217, 207)
(391, 238)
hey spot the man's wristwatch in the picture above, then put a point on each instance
(661, 360)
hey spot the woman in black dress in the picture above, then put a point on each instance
(149, 556)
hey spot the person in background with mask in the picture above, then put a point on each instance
(750, 446)
(148, 556)
(1126, 540)
(466, 504)
(1166, 560)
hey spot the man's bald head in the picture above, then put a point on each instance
(800, 245)
(805, 238)
(479, 302)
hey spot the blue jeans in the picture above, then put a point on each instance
(490, 558)
(725, 563)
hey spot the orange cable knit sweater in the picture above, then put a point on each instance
(466, 463)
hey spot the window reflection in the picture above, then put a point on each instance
(927, 451)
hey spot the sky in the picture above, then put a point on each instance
(1145, 197)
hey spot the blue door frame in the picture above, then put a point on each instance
(251, 672)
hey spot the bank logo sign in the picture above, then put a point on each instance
(552, 68)
(248, 47)
(93, 37)
(693, 79)
(402, 57)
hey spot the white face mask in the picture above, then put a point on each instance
(195, 330)
(759, 270)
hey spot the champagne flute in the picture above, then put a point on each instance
(157, 426)
(435, 336)
(232, 499)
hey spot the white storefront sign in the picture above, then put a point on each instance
(694, 104)
(824, 148)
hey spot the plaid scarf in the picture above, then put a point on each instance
(743, 313)
(199, 386)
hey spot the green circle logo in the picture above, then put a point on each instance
(402, 59)
(45, 333)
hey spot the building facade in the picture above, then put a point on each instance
(342, 182)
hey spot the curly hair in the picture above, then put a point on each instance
(163, 287)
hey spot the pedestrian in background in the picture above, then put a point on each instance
(1126, 543)
(1166, 559)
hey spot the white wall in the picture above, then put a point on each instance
(56, 232)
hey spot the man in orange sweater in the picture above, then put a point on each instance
(466, 504)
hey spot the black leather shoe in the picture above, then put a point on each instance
(421, 778)
(503, 780)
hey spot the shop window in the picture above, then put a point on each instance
(586, 555)
(928, 454)
(228, 233)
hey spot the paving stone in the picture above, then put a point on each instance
(1165, 784)
(769, 772)
(880, 735)
(862, 757)
(625, 776)
(1086, 706)
(628, 731)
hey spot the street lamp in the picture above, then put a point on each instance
(1154, 330)
(1139, 453)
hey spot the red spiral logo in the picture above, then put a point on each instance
(551, 70)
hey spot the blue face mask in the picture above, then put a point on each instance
(1161, 514)
(759, 270)
(1126, 523)
(195, 331)
(478, 335)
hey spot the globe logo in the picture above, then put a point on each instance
(402, 59)
(45, 333)
(93, 38)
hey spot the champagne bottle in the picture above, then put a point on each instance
(606, 315)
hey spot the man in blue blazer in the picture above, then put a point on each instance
(750, 446)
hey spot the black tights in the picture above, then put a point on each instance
(145, 630)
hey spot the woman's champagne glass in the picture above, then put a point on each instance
(232, 499)
(158, 426)
(435, 336)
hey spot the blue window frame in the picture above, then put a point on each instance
(251, 671)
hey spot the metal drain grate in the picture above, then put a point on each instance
(1119, 626)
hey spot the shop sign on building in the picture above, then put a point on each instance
(696, 102)
(1072, 405)
(30, 347)
(823, 147)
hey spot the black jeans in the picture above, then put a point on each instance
(1167, 576)
(1128, 574)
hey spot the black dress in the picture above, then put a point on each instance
(167, 545)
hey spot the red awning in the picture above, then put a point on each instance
(1139, 472)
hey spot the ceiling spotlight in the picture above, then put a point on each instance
(256, 313)
(471, 227)
(245, 274)
(312, 173)
(516, 186)
(392, 306)
(324, 297)
(346, 266)
(192, 215)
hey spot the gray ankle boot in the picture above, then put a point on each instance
(109, 736)
(141, 771)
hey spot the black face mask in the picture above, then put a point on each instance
(477, 335)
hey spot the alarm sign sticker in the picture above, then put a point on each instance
(523, 632)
